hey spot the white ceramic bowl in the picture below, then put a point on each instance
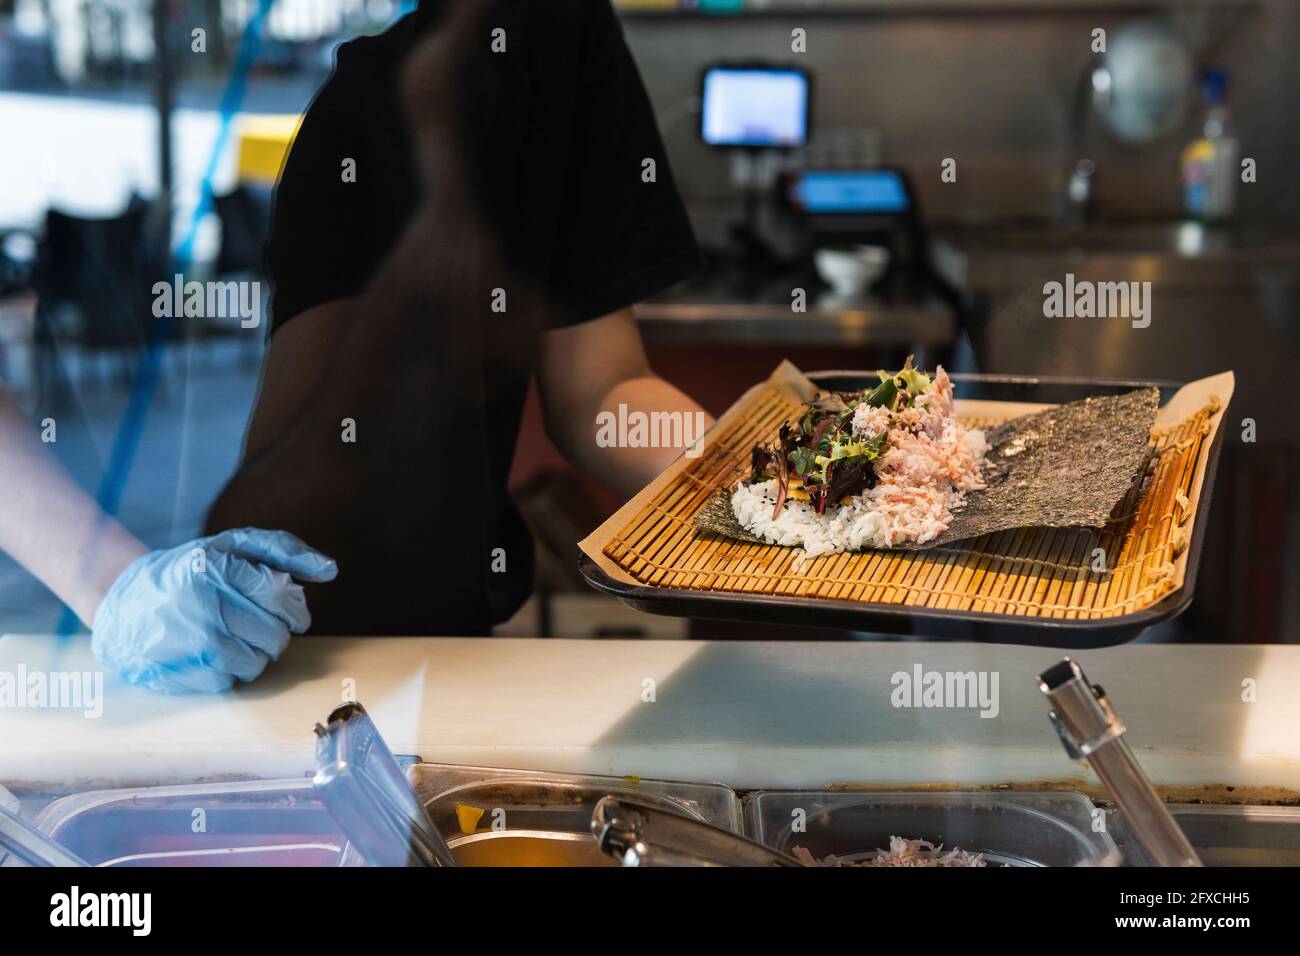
(850, 270)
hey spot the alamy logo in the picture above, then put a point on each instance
(1098, 300)
(74, 908)
(946, 690)
(637, 429)
(209, 300)
(53, 690)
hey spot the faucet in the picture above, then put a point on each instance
(1093, 89)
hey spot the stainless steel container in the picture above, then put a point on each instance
(1009, 829)
(1225, 835)
(494, 817)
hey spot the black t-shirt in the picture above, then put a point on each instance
(597, 233)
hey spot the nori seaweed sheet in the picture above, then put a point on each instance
(1062, 467)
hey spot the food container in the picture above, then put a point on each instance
(492, 817)
(1009, 829)
(1226, 836)
(257, 823)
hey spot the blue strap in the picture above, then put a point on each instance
(145, 383)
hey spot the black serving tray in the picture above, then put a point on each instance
(930, 623)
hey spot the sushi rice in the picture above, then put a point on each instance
(929, 463)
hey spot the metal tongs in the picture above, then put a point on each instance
(1091, 730)
(638, 834)
(369, 796)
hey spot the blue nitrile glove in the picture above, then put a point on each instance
(203, 615)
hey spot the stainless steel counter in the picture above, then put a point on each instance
(1219, 299)
(1171, 254)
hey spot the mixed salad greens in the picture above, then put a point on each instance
(828, 455)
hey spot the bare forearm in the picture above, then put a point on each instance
(651, 423)
(50, 525)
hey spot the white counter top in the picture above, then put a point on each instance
(745, 714)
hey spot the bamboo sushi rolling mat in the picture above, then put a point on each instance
(1029, 572)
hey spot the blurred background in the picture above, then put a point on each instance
(976, 149)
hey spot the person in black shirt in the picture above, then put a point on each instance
(477, 195)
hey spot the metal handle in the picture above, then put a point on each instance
(1091, 730)
(370, 798)
(638, 834)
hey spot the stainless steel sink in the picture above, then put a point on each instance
(1173, 254)
(1181, 239)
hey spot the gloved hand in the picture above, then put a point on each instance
(203, 615)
